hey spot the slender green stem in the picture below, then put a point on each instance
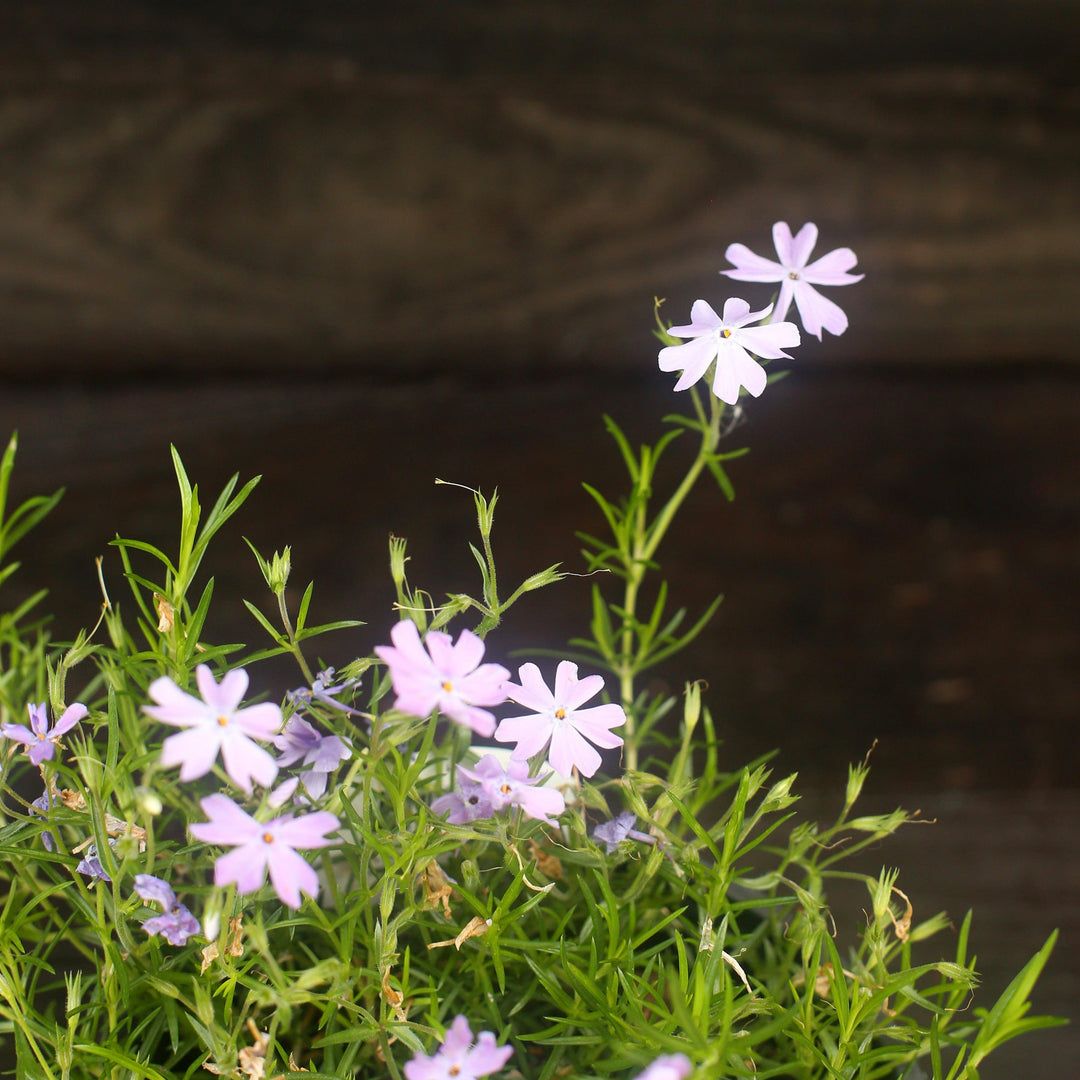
(646, 540)
(285, 621)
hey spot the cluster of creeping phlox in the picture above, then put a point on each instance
(559, 735)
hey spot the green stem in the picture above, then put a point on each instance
(647, 539)
(285, 621)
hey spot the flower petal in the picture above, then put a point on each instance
(224, 697)
(751, 267)
(817, 312)
(533, 692)
(694, 357)
(245, 868)
(832, 269)
(72, 715)
(228, 824)
(291, 875)
(194, 750)
(244, 761)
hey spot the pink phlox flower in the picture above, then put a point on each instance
(216, 723)
(668, 1067)
(468, 803)
(321, 754)
(612, 833)
(458, 1058)
(797, 278)
(512, 786)
(177, 924)
(558, 719)
(264, 846)
(40, 739)
(728, 340)
(444, 676)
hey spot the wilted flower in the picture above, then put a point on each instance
(42, 804)
(40, 739)
(177, 924)
(444, 676)
(614, 832)
(797, 279)
(322, 692)
(468, 803)
(512, 786)
(90, 864)
(216, 723)
(727, 341)
(668, 1067)
(559, 719)
(322, 754)
(264, 846)
(457, 1058)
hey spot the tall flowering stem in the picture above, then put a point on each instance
(646, 538)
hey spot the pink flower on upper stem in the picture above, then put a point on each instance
(558, 719)
(443, 676)
(216, 723)
(263, 846)
(457, 1058)
(797, 279)
(729, 341)
(39, 738)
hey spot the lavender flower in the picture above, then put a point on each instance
(444, 676)
(300, 741)
(216, 723)
(458, 1058)
(322, 693)
(729, 341)
(42, 740)
(512, 786)
(42, 805)
(264, 846)
(177, 924)
(559, 720)
(668, 1067)
(90, 864)
(797, 280)
(468, 803)
(614, 832)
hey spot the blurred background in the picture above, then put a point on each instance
(354, 252)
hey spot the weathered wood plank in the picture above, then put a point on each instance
(459, 183)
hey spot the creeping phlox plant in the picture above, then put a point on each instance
(427, 866)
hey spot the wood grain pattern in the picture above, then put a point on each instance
(211, 187)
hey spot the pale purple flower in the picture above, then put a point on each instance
(177, 924)
(511, 785)
(728, 340)
(263, 846)
(90, 864)
(444, 676)
(668, 1067)
(42, 805)
(42, 740)
(300, 741)
(797, 279)
(468, 803)
(559, 719)
(216, 723)
(614, 832)
(322, 693)
(458, 1058)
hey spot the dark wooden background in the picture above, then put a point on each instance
(354, 252)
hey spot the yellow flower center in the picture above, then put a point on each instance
(794, 275)
(268, 837)
(560, 714)
(505, 789)
(448, 686)
(223, 721)
(725, 333)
